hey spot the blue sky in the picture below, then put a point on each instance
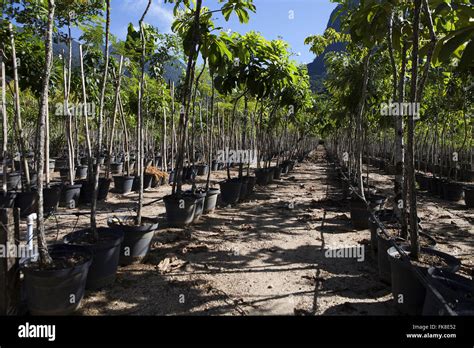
(293, 20)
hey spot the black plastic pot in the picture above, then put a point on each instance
(423, 182)
(52, 164)
(230, 191)
(13, 181)
(277, 173)
(49, 292)
(81, 172)
(383, 263)
(137, 239)
(87, 190)
(171, 177)
(469, 196)
(84, 161)
(408, 291)
(390, 169)
(435, 186)
(27, 202)
(251, 181)
(271, 174)
(201, 196)
(51, 198)
(64, 173)
(202, 169)
(8, 200)
(210, 201)
(359, 213)
(452, 191)
(291, 165)
(105, 252)
(284, 168)
(70, 196)
(116, 168)
(123, 184)
(189, 174)
(60, 163)
(384, 216)
(243, 188)
(261, 177)
(456, 290)
(180, 209)
(146, 182)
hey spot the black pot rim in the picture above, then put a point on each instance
(130, 177)
(144, 228)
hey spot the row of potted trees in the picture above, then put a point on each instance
(428, 285)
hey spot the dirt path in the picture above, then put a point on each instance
(263, 257)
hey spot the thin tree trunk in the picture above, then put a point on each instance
(4, 131)
(100, 125)
(86, 116)
(140, 117)
(114, 117)
(45, 258)
(21, 140)
(415, 247)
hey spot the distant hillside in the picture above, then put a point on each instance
(317, 69)
(172, 70)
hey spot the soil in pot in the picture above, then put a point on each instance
(456, 290)
(49, 291)
(180, 209)
(210, 201)
(408, 291)
(123, 184)
(230, 191)
(452, 191)
(70, 196)
(106, 252)
(27, 202)
(137, 239)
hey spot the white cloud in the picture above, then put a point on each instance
(158, 15)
